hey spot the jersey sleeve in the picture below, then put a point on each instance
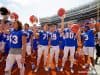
(24, 33)
(65, 30)
(40, 33)
(31, 32)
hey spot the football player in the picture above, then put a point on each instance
(43, 38)
(34, 45)
(54, 45)
(88, 46)
(69, 45)
(17, 48)
(29, 38)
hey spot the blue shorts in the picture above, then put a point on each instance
(35, 44)
(35, 47)
(61, 46)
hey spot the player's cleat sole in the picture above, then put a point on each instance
(46, 68)
(85, 66)
(61, 69)
(36, 69)
(72, 70)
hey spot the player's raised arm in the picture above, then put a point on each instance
(35, 31)
(61, 13)
(62, 23)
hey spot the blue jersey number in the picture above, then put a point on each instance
(69, 35)
(14, 39)
(53, 37)
(45, 36)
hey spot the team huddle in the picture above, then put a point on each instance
(19, 42)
